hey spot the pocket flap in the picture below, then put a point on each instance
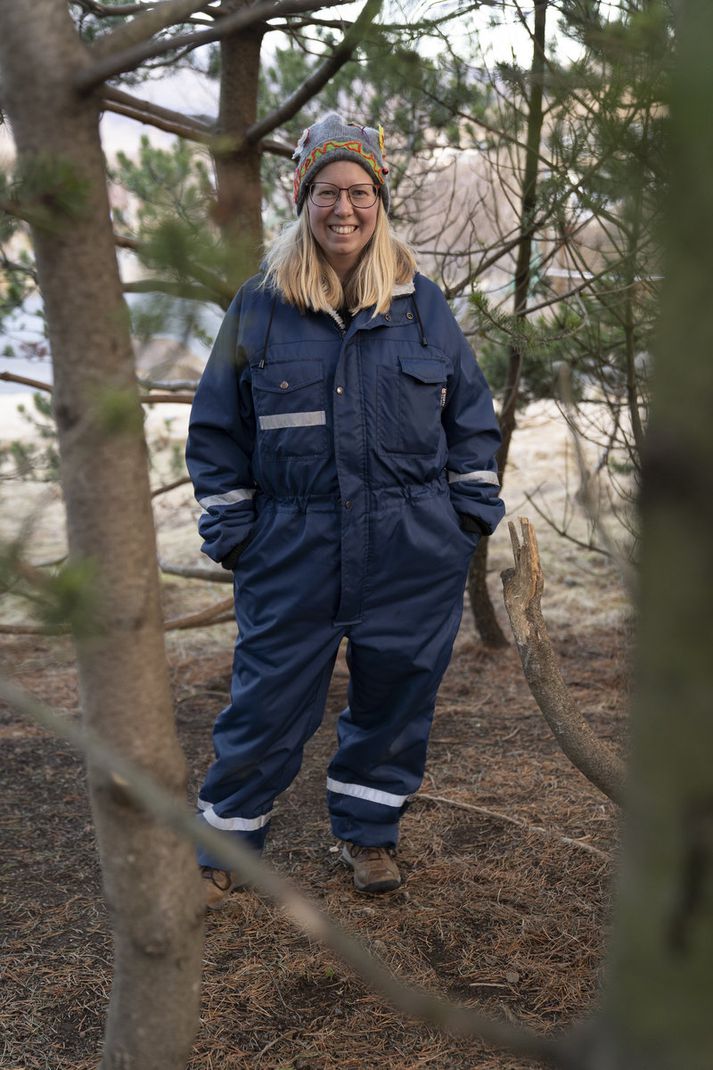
(425, 369)
(284, 378)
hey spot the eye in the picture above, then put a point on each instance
(322, 193)
(362, 194)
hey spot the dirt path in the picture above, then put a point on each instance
(490, 914)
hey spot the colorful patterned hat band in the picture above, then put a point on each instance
(330, 139)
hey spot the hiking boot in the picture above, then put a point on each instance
(375, 868)
(217, 885)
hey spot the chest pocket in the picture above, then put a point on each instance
(411, 399)
(289, 400)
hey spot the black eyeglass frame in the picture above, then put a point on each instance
(347, 190)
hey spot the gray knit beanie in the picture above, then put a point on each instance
(330, 139)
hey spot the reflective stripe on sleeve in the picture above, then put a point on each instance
(293, 419)
(475, 477)
(358, 791)
(232, 824)
(240, 494)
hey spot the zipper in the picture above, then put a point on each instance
(338, 320)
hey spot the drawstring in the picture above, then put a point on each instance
(263, 359)
(420, 322)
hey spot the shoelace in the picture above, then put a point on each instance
(209, 874)
(371, 853)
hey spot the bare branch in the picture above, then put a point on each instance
(125, 777)
(220, 613)
(145, 399)
(319, 78)
(277, 148)
(92, 7)
(522, 590)
(170, 486)
(537, 830)
(143, 111)
(36, 384)
(127, 59)
(196, 573)
(150, 22)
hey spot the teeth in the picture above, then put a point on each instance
(343, 230)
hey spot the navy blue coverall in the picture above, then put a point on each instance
(345, 456)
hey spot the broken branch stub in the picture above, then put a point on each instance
(522, 591)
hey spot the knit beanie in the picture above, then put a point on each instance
(330, 139)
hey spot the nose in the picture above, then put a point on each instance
(343, 205)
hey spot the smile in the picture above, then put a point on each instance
(342, 229)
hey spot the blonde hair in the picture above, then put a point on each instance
(297, 267)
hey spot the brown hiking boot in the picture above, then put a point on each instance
(217, 885)
(375, 868)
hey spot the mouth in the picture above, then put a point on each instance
(342, 229)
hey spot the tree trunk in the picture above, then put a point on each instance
(238, 210)
(658, 1002)
(150, 877)
(483, 612)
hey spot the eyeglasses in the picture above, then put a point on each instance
(324, 195)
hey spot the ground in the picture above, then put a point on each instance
(510, 918)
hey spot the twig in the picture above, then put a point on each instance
(170, 486)
(203, 616)
(537, 829)
(193, 572)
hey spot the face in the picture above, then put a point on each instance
(342, 230)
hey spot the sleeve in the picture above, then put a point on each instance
(221, 434)
(473, 438)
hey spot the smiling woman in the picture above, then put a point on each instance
(342, 444)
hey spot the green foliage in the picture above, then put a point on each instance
(118, 412)
(50, 191)
(38, 459)
(71, 598)
(65, 597)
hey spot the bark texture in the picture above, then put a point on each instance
(238, 209)
(658, 1004)
(522, 590)
(485, 620)
(150, 877)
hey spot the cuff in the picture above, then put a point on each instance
(231, 560)
(472, 524)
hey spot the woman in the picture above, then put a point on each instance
(342, 444)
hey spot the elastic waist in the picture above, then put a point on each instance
(377, 499)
